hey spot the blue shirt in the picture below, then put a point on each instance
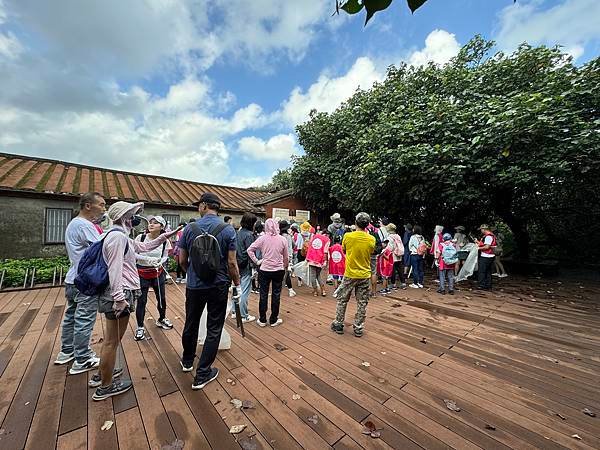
(226, 241)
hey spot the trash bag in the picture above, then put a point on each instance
(225, 342)
(301, 270)
(470, 264)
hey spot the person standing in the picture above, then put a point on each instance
(408, 232)
(284, 230)
(80, 313)
(205, 288)
(337, 262)
(486, 258)
(271, 269)
(152, 275)
(460, 239)
(317, 256)
(245, 238)
(180, 272)
(118, 302)
(396, 246)
(447, 259)
(417, 248)
(358, 246)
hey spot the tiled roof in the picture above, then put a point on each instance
(270, 198)
(36, 175)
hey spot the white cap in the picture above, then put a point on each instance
(119, 209)
(159, 219)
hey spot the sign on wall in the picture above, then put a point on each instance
(281, 213)
(302, 216)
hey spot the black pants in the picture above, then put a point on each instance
(215, 300)
(264, 280)
(398, 272)
(288, 279)
(158, 285)
(484, 271)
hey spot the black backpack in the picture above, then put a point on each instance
(205, 253)
(241, 253)
(378, 243)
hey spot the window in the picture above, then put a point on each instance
(172, 220)
(57, 220)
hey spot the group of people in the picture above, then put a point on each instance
(112, 273)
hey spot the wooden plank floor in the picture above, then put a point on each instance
(521, 363)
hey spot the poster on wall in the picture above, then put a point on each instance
(299, 216)
(281, 213)
(302, 216)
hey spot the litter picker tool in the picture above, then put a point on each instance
(238, 315)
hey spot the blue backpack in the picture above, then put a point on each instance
(92, 271)
(449, 254)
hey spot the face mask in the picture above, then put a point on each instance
(136, 220)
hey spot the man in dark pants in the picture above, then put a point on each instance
(212, 294)
(486, 258)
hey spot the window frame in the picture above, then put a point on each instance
(176, 223)
(47, 211)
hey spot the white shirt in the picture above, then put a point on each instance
(79, 235)
(488, 240)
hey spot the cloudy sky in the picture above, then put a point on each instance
(212, 90)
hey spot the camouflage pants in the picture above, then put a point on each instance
(362, 288)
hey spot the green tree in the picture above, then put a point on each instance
(506, 137)
(280, 181)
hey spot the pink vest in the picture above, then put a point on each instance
(316, 249)
(337, 260)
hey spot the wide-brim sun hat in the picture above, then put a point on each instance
(336, 216)
(119, 209)
(391, 227)
(459, 228)
(305, 227)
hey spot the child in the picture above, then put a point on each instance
(448, 257)
(337, 262)
(385, 264)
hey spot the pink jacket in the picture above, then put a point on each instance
(122, 272)
(273, 247)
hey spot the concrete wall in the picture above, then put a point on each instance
(22, 225)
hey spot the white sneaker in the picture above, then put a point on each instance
(299, 282)
(413, 285)
(292, 293)
(504, 275)
(279, 322)
(90, 364)
(233, 316)
(261, 324)
(183, 280)
(63, 358)
(496, 275)
(248, 318)
(421, 286)
(436, 281)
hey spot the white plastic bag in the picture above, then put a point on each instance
(225, 342)
(470, 264)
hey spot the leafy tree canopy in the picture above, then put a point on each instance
(514, 137)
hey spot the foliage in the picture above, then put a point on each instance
(513, 137)
(373, 6)
(280, 181)
(44, 270)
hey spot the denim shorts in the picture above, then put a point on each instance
(105, 305)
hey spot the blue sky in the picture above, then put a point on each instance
(212, 90)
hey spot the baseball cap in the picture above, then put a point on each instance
(159, 219)
(208, 197)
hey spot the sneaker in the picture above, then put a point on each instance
(292, 293)
(115, 388)
(186, 367)
(496, 275)
(140, 334)
(261, 324)
(504, 275)
(254, 291)
(420, 286)
(248, 318)
(178, 280)
(183, 280)
(277, 322)
(165, 324)
(436, 281)
(339, 329)
(441, 291)
(413, 285)
(63, 358)
(199, 383)
(451, 292)
(90, 364)
(358, 332)
(299, 282)
(403, 285)
(233, 316)
(96, 380)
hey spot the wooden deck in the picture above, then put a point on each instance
(521, 364)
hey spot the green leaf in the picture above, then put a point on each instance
(506, 152)
(372, 6)
(352, 6)
(475, 140)
(415, 4)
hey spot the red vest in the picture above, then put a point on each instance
(337, 260)
(489, 251)
(316, 249)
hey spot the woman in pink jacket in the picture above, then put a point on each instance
(271, 268)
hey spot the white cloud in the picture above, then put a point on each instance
(572, 23)
(328, 92)
(440, 47)
(10, 47)
(280, 147)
